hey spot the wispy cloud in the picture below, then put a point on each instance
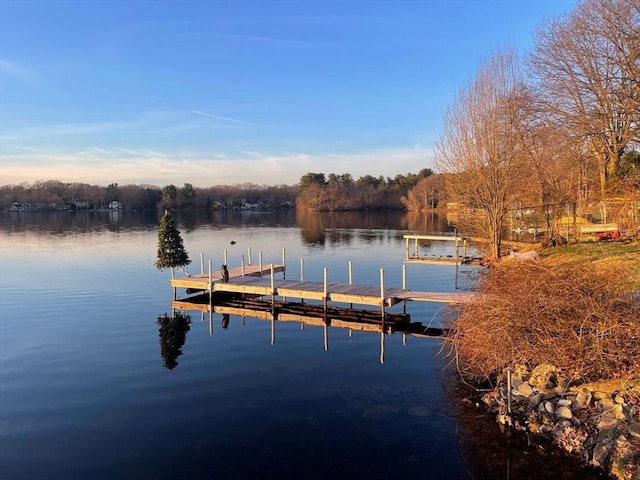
(222, 118)
(15, 70)
(144, 166)
(63, 129)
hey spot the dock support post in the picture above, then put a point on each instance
(302, 275)
(201, 263)
(455, 278)
(260, 262)
(325, 293)
(249, 254)
(406, 249)
(350, 278)
(226, 260)
(382, 289)
(404, 287)
(243, 264)
(284, 263)
(210, 288)
(273, 292)
(382, 315)
(175, 290)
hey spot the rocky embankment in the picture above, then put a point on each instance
(599, 422)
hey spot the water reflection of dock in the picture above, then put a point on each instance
(308, 314)
(323, 316)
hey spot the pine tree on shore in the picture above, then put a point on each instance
(171, 252)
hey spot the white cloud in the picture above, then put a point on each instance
(123, 165)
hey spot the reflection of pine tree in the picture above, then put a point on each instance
(173, 334)
(171, 252)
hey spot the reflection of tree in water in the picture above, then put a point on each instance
(173, 334)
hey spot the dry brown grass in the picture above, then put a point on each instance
(575, 314)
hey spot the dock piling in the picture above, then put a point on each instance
(404, 287)
(273, 291)
(325, 292)
(284, 263)
(210, 288)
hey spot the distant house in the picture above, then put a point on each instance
(115, 205)
(250, 206)
(79, 204)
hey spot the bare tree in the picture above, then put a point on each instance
(481, 145)
(426, 194)
(587, 66)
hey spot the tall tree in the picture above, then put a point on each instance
(481, 146)
(426, 194)
(187, 196)
(587, 66)
(169, 195)
(171, 252)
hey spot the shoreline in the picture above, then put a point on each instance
(598, 422)
(564, 374)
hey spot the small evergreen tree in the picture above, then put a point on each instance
(171, 252)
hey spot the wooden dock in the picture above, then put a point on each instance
(261, 282)
(454, 259)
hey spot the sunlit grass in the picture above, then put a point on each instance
(625, 255)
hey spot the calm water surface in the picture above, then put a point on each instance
(85, 392)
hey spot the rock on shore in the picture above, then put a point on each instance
(599, 422)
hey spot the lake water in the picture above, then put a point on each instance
(86, 393)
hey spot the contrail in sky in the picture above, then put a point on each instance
(222, 118)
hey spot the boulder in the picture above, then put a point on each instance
(563, 412)
(583, 398)
(544, 377)
(524, 390)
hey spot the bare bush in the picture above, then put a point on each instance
(576, 316)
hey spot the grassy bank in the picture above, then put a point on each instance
(624, 254)
(574, 308)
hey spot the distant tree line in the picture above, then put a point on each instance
(57, 195)
(317, 191)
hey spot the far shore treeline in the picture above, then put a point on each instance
(314, 191)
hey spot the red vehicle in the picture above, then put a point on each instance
(607, 235)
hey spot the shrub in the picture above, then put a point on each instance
(578, 316)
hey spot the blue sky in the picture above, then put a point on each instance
(227, 92)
